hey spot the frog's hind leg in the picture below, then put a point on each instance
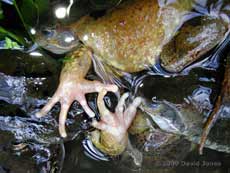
(221, 106)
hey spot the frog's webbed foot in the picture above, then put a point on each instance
(113, 137)
(70, 90)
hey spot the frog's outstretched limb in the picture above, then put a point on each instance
(73, 86)
(112, 137)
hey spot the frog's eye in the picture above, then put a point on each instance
(48, 33)
(66, 39)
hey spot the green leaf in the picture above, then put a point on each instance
(22, 19)
(11, 44)
(5, 33)
(28, 11)
(31, 9)
(1, 12)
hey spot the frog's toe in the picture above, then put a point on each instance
(101, 105)
(47, 107)
(121, 104)
(106, 116)
(90, 87)
(100, 125)
(62, 119)
(96, 86)
(127, 115)
(130, 112)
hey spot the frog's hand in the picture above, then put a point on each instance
(73, 86)
(221, 106)
(114, 126)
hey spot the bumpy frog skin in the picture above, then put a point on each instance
(128, 38)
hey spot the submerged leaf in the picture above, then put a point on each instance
(29, 11)
(5, 33)
(10, 44)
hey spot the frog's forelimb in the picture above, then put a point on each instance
(112, 137)
(73, 86)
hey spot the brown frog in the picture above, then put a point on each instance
(128, 38)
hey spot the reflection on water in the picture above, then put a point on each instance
(33, 145)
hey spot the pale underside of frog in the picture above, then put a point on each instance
(128, 38)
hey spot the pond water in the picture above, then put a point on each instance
(29, 78)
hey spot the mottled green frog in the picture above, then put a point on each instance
(128, 38)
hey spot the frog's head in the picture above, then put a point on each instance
(57, 40)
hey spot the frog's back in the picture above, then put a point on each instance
(131, 36)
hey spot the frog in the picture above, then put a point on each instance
(152, 147)
(192, 118)
(177, 137)
(128, 38)
(181, 125)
